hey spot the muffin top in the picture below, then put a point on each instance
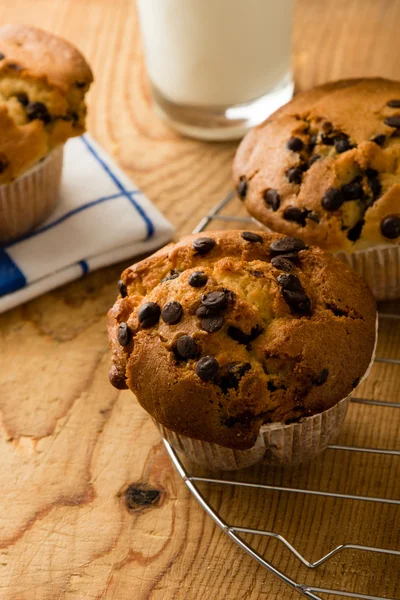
(326, 166)
(225, 331)
(43, 81)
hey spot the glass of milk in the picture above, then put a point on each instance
(217, 67)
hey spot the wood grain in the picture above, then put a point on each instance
(71, 445)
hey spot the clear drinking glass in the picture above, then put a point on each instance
(217, 67)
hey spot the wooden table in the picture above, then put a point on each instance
(70, 444)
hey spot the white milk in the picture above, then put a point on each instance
(216, 52)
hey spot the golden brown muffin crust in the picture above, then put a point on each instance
(325, 167)
(281, 344)
(43, 81)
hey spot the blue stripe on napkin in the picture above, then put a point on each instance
(149, 224)
(69, 214)
(84, 267)
(11, 278)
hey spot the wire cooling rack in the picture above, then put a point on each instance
(236, 533)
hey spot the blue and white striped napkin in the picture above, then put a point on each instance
(101, 218)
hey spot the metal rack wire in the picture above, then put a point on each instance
(234, 532)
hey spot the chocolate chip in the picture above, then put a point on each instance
(272, 199)
(244, 338)
(211, 324)
(231, 377)
(342, 144)
(122, 289)
(333, 199)
(314, 159)
(3, 165)
(287, 244)
(292, 213)
(390, 227)
(203, 311)
(117, 379)
(22, 99)
(393, 121)
(295, 144)
(2, 56)
(14, 67)
(294, 175)
(230, 296)
(74, 116)
(290, 282)
(283, 264)
(197, 279)
(242, 188)
(240, 369)
(299, 302)
(292, 256)
(186, 347)
(312, 143)
(37, 110)
(303, 166)
(80, 84)
(355, 232)
(327, 140)
(173, 275)
(250, 236)
(394, 103)
(203, 245)
(353, 190)
(376, 187)
(124, 334)
(257, 273)
(214, 301)
(149, 314)
(374, 183)
(172, 313)
(322, 377)
(207, 368)
(379, 139)
(294, 294)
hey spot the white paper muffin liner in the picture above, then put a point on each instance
(277, 444)
(379, 266)
(31, 198)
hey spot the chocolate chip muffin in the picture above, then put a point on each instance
(325, 168)
(43, 81)
(226, 332)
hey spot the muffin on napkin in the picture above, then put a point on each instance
(242, 345)
(43, 81)
(325, 168)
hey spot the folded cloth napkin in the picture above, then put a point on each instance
(101, 218)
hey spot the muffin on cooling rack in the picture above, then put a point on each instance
(43, 81)
(325, 168)
(242, 344)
